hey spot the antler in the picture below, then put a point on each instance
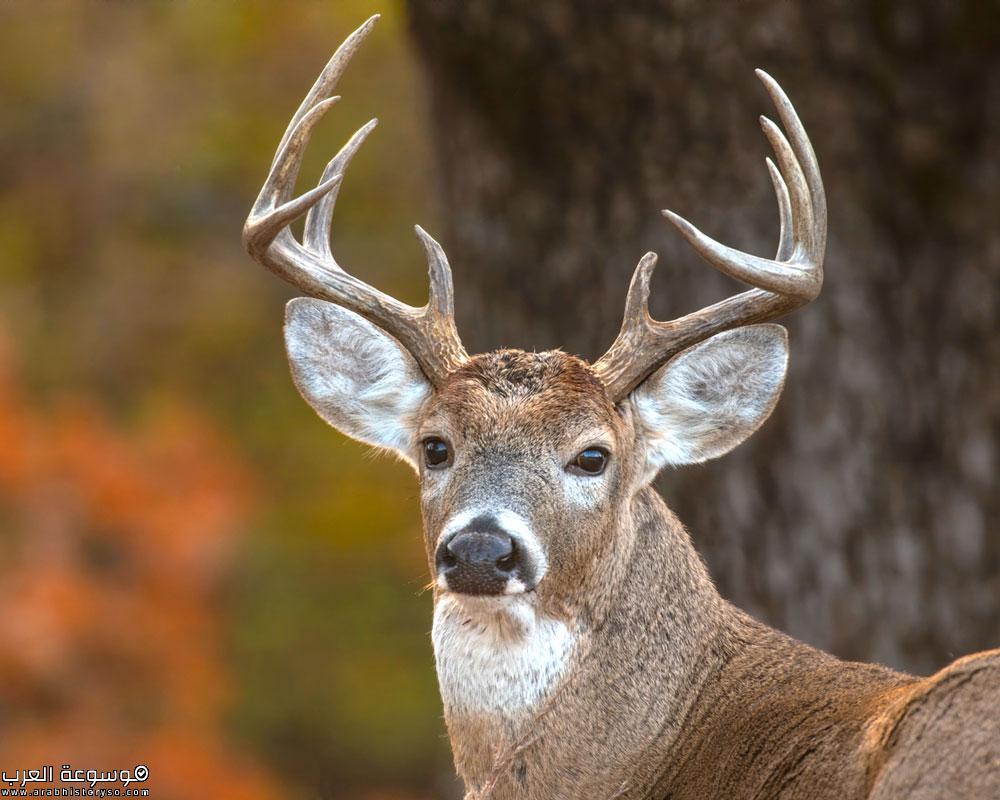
(429, 333)
(791, 280)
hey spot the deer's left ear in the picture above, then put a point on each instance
(710, 398)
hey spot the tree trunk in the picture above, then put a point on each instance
(859, 518)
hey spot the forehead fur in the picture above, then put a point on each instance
(515, 373)
(548, 384)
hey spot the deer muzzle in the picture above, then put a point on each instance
(485, 557)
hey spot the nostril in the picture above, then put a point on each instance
(446, 557)
(509, 561)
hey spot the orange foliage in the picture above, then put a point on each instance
(113, 548)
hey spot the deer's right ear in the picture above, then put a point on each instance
(711, 397)
(356, 377)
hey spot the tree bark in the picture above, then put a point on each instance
(860, 517)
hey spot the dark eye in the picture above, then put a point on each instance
(591, 461)
(437, 454)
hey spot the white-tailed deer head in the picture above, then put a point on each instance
(525, 459)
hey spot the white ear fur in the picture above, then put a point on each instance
(711, 397)
(355, 376)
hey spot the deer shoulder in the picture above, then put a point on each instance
(783, 720)
(940, 736)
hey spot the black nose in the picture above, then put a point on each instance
(478, 562)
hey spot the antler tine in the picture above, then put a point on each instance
(316, 236)
(786, 243)
(804, 153)
(429, 332)
(790, 280)
(330, 76)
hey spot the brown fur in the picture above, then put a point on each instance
(674, 693)
(504, 411)
(755, 714)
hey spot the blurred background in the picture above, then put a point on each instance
(198, 576)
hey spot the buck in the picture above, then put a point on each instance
(582, 650)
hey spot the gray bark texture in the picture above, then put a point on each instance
(862, 517)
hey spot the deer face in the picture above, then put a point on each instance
(526, 465)
(526, 460)
(521, 458)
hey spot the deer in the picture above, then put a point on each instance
(581, 647)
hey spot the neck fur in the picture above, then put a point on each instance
(533, 690)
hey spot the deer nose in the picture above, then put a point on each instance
(478, 562)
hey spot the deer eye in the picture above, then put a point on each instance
(591, 461)
(437, 454)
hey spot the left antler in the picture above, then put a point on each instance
(792, 279)
(429, 333)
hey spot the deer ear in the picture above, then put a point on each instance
(709, 398)
(356, 377)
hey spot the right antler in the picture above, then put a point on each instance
(790, 280)
(429, 333)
